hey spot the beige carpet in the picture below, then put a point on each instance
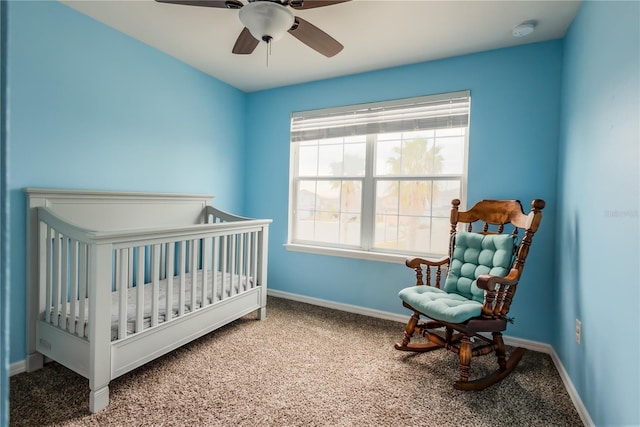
(304, 365)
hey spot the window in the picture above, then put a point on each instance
(376, 181)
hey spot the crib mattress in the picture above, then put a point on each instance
(226, 286)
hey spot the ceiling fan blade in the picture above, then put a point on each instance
(245, 44)
(223, 4)
(311, 4)
(315, 38)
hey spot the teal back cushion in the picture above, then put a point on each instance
(474, 255)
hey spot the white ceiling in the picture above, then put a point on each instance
(376, 34)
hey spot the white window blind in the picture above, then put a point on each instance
(428, 112)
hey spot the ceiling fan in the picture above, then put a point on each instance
(268, 20)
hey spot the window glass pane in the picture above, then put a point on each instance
(413, 234)
(327, 228)
(354, 159)
(306, 195)
(443, 193)
(308, 159)
(440, 228)
(350, 196)
(417, 157)
(328, 196)
(406, 211)
(386, 232)
(338, 216)
(350, 229)
(451, 151)
(330, 160)
(304, 225)
(387, 197)
(414, 197)
(387, 157)
(351, 206)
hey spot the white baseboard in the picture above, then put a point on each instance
(573, 393)
(512, 341)
(379, 314)
(17, 368)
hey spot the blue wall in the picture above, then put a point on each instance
(89, 107)
(598, 243)
(515, 111)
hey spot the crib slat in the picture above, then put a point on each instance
(130, 268)
(248, 261)
(223, 267)
(233, 267)
(254, 269)
(48, 277)
(140, 290)
(170, 263)
(183, 268)
(163, 262)
(64, 282)
(215, 262)
(155, 285)
(205, 267)
(241, 261)
(56, 278)
(122, 284)
(73, 299)
(194, 273)
(84, 260)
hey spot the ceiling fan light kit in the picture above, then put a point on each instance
(266, 21)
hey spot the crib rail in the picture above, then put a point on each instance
(154, 275)
(216, 216)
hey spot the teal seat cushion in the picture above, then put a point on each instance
(461, 299)
(440, 305)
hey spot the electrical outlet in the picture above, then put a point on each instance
(578, 331)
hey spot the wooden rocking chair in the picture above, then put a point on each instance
(482, 271)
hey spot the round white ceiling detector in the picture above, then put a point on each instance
(524, 29)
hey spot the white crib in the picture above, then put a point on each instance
(118, 279)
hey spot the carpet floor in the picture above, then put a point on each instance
(303, 366)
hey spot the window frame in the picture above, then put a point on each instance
(366, 249)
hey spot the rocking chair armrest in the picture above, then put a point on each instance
(416, 265)
(489, 282)
(417, 262)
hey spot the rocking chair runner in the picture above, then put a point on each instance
(482, 271)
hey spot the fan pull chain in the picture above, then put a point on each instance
(268, 51)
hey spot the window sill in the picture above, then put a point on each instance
(347, 253)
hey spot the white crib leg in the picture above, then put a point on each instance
(100, 258)
(262, 313)
(99, 399)
(34, 361)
